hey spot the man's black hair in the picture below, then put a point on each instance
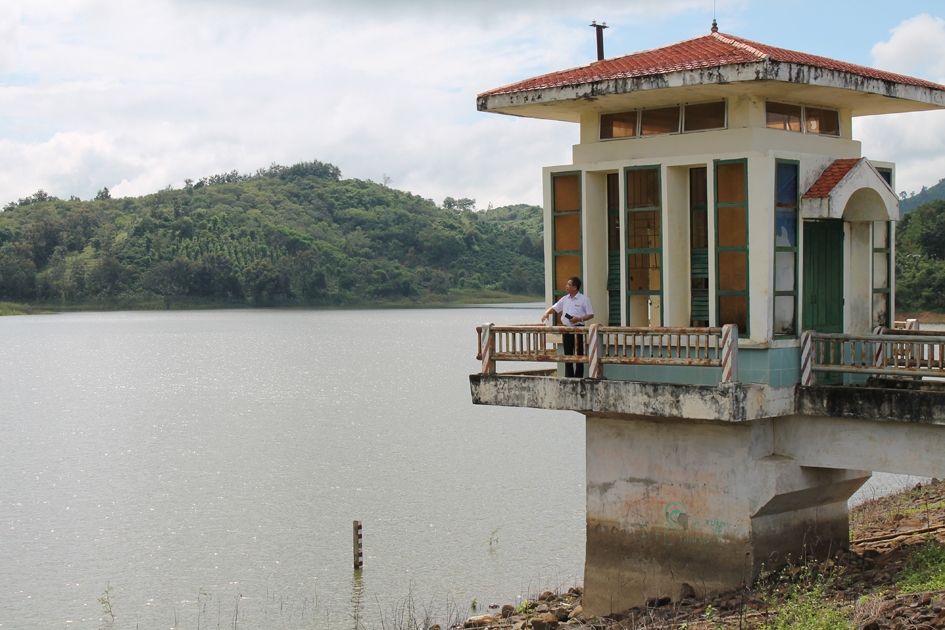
(576, 282)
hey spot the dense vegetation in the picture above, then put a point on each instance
(285, 235)
(920, 259)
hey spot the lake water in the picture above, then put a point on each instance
(206, 467)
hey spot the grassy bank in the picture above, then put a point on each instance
(12, 308)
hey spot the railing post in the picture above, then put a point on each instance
(807, 358)
(729, 353)
(879, 349)
(595, 369)
(488, 347)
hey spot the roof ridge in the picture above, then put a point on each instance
(737, 43)
(649, 50)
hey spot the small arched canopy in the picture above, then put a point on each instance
(851, 190)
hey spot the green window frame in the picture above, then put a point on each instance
(698, 247)
(882, 273)
(613, 248)
(786, 251)
(732, 277)
(644, 244)
(567, 237)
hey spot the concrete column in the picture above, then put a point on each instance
(674, 501)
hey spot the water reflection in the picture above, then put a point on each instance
(357, 599)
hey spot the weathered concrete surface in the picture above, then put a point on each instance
(701, 504)
(726, 402)
(907, 448)
(705, 485)
(701, 402)
(869, 403)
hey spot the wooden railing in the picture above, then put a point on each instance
(696, 347)
(889, 352)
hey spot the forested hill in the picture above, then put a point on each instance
(910, 203)
(284, 236)
(920, 259)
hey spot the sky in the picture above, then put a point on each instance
(138, 95)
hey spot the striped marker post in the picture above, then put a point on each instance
(593, 352)
(807, 358)
(488, 347)
(879, 349)
(729, 353)
(358, 549)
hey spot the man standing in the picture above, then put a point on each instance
(576, 309)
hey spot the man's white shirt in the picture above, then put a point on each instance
(578, 306)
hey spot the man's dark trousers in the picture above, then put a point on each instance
(570, 342)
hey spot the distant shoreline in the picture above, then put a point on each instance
(451, 300)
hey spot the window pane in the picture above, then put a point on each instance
(784, 271)
(732, 227)
(880, 309)
(785, 227)
(566, 267)
(643, 188)
(881, 235)
(613, 191)
(568, 233)
(698, 195)
(730, 182)
(622, 125)
(825, 122)
(782, 116)
(733, 271)
(784, 315)
(613, 231)
(699, 224)
(880, 271)
(786, 183)
(656, 121)
(887, 175)
(567, 191)
(733, 309)
(643, 230)
(705, 116)
(644, 271)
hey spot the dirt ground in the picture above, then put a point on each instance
(858, 586)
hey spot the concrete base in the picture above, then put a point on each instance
(673, 502)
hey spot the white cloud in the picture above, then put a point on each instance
(168, 92)
(916, 47)
(135, 96)
(914, 141)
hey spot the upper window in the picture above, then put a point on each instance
(663, 120)
(622, 125)
(823, 122)
(659, 121)
(703, 116)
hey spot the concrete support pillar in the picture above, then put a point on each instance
(673, 501)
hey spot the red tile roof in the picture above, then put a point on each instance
(708, 51)
(831, 176)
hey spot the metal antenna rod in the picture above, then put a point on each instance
(600, 38)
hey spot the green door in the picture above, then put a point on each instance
(823, 276)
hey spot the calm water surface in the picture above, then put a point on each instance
(207, 466)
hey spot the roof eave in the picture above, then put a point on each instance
(910, 97)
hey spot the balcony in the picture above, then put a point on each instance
(694, 373)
